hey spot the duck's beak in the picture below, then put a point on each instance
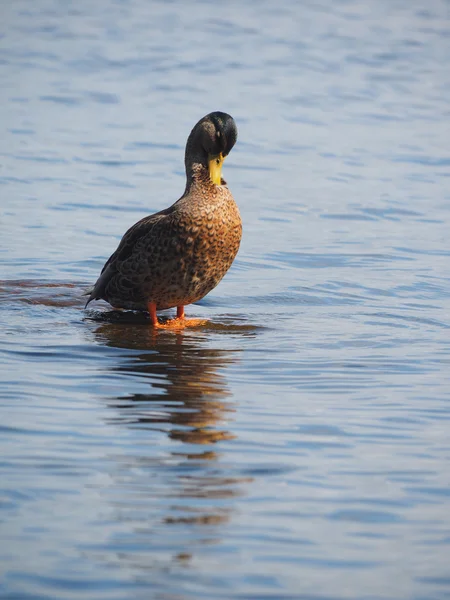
(215, 162)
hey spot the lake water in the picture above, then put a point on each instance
(298, 445)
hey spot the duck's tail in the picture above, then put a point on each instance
(89, 293)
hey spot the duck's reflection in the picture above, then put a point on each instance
(186, 384)
(188, 399)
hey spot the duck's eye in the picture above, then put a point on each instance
(217, 161)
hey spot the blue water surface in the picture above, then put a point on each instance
(297, 446)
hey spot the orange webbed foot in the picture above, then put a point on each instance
(179, 322)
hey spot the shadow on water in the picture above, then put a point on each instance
(46, 293)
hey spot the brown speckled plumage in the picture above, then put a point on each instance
(175, 257)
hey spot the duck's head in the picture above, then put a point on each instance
(210, 141)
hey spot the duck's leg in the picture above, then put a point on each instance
(152, 311)
(177, 323)
(180, 322)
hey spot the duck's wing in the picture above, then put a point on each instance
(127, 245)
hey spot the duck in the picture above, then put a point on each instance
(175, 257)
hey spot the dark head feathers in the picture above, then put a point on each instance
(215, 134)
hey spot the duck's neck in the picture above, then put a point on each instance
(197, 175)
(195, 161)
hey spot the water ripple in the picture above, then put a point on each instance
(295, 446)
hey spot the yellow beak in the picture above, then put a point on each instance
(215, 162)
